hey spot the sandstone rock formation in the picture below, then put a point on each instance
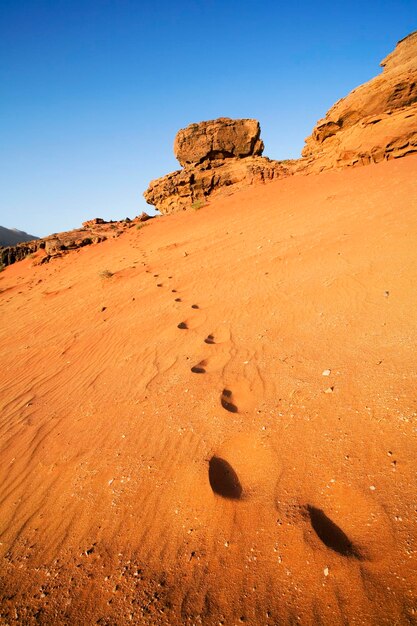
(93, 231)
(218, 139)
(191, 186)
(215, 155)
(376, 121)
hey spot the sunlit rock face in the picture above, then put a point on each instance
(218, 139)
(376, 121)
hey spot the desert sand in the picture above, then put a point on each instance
(212, 419)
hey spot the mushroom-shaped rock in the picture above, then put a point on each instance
(215, 155)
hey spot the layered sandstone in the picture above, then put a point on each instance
(215, 155)
(376, 121)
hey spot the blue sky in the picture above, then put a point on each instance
(93, 92)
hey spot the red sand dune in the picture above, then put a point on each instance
(172, 451)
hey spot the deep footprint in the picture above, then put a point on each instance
(199, 368)
(182, 326)
(195, 306)
(227, 403)
(330, 534)
(209, 339)
(223, 479)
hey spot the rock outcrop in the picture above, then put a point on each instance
(218, 139)
(53, 246)
(215, 155)
(376, 121)
(193, 185)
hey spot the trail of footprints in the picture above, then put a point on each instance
(225, 482)
(227, 400)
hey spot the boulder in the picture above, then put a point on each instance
(218, 139)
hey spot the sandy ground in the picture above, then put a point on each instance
(223, 431)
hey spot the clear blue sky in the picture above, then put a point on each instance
(93, 92)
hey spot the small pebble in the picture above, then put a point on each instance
(326, 571)
(326, 373)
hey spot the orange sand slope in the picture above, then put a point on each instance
(223, 431)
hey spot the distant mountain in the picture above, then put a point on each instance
(12, 236)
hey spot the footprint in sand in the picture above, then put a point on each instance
(177, 300)
(191, 323)
(200, 367)
(349, 522)
(228, 402)
(222, 335)
(195, 306)
(330, 534)
(254, 461)
(223, 479)
(215, 362)
(241, 396)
